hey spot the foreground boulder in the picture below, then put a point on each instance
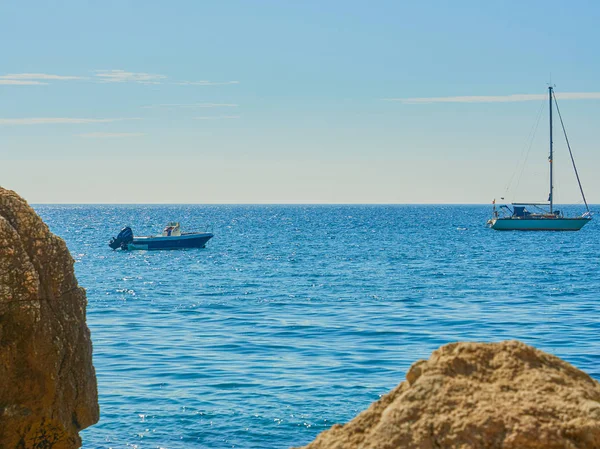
(47, 380)
(474, 395)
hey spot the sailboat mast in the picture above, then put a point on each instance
(551, 155)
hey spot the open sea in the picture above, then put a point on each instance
(297, 317)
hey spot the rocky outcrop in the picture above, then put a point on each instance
(473, 395)
(47, 380)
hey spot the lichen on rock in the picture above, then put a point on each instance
(48, 387)
(504, 395)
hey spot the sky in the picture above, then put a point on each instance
(296, 102)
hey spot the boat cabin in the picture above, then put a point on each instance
(520, 211)
(172, 230)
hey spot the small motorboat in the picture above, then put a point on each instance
(171, 238)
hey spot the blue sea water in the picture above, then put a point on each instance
(297, 317)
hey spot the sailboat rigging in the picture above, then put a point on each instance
(520, 219)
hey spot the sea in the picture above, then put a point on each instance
(296, 317)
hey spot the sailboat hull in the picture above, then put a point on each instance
(538, 224)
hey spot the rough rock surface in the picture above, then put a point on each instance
(475, 395)
(47, 381)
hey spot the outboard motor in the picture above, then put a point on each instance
(122, 240)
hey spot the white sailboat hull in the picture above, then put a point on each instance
(538, 224)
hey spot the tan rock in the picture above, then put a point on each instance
(47, 381)
(480, 395)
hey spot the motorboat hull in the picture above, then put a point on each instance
(538, 224)
(191, 240)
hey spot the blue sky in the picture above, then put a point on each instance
(294, 102)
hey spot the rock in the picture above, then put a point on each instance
(480, 395)
(48, 387)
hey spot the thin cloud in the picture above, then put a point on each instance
(205, 83)
(192, 105)
(39, 76)
(109, 135)
(217, 117)
(7, 82)
(102, 76)
(121, 76)
(58, 120)
(498, 98)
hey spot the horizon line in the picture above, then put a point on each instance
(281, 204)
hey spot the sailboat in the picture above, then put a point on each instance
(547, 219)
